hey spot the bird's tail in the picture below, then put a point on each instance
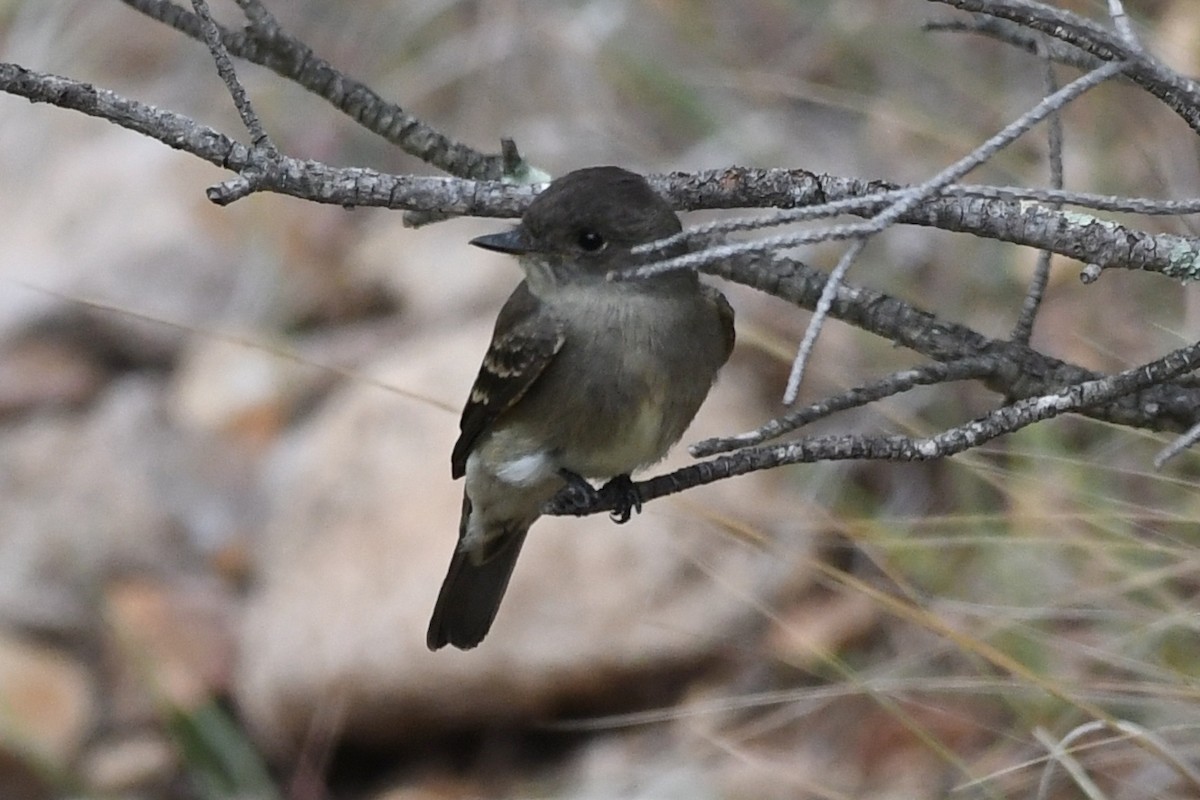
(473, 589)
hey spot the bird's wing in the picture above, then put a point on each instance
(525, 341)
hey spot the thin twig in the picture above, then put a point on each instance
(820, 314)
(212, 37)
(1098, 202)
(1023, 330)
(705, 232)
(970, 368)
(1184, 442)
(1124, 26)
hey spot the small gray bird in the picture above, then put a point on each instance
(585, 377)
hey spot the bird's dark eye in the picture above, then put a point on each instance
(590, 240)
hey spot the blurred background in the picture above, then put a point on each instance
(225, 500)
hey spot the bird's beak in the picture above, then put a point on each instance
(513, 242)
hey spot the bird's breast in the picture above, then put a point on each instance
(631, 374)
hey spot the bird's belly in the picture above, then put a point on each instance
(635, 440)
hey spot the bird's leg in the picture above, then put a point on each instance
(578, 495)
(627, 498)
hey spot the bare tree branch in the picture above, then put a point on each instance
(1022, 371)
(1180, 94)
(307, 180)
(1079, 236)
(272, 47)
(1087, 239)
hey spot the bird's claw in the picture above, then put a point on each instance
(628, 498)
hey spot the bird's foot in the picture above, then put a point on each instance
(627, 498)
(578, 496)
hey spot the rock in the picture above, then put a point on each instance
(236, 385)
(364, 521)
(120, 231)
(40, 374)
(78, 244)
(168, 642)
(250, 386)
(412, 266)
(79, 499)
(114, 489)
(20, 779)
(48, 705)
(138, 761)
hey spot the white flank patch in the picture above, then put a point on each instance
(526, 470)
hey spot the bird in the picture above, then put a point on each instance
(588, 375)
